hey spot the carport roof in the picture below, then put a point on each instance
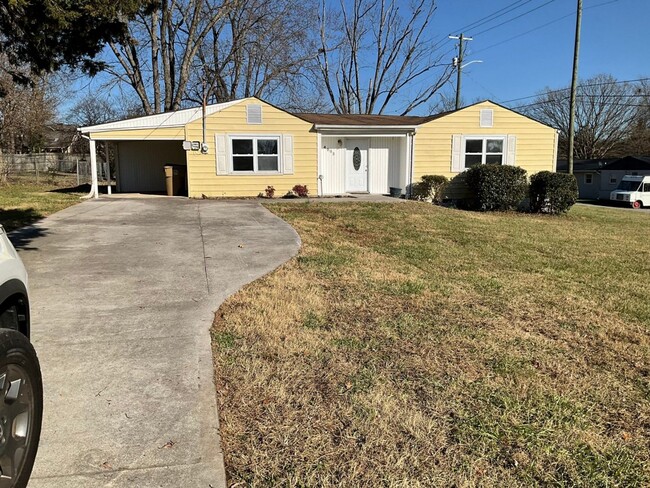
(177, 118)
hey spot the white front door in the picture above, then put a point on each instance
(356, 165)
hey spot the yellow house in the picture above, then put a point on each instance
(239, 148)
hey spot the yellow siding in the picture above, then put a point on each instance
(535, 149)
(160, 134)
(202, 176)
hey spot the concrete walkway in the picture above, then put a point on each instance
(123, 294)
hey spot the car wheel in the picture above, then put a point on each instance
(637, 204)
(21, 408)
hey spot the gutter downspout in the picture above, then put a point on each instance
(94, 187)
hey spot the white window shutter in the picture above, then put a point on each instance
(221, 143)
(511, 158)
(486, 117)
(456, 153)
(287, 154)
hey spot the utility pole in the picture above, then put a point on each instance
(458, 62)
(574, 83)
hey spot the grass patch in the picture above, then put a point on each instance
(23, 201)
(465, 349)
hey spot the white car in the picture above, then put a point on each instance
(21, 387)
(633, 190)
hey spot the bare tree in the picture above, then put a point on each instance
(372, 51)
(262, 49)
(176, 50)
(91, 109)
(638, 141)
(605, 110)
(24, 112)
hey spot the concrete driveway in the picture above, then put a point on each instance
(123, 293)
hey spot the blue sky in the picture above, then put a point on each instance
(614, 40)
(518, 63)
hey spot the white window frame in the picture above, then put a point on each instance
(591, 178)
(484, 138)
(254, 138)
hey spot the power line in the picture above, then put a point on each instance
(542, 26)
(638, 80)
(488, 18)
(494, 15)
(514, 18)
(564, 99)
(524, 33)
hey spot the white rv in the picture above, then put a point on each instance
(633, 190)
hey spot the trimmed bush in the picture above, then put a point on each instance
(430, 188)
(497, 187)
(553, 193)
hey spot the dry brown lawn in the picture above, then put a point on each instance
(411, 345)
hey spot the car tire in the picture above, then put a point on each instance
(637, 204)
(21, 408)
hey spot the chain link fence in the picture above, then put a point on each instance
(37, 167)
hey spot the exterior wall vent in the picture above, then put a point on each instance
(254, 114)
(487, 117)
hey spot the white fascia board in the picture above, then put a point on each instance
(178, 118)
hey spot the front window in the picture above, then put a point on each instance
(255, 154)
(589, 178)
(629, 185)
(483, 150)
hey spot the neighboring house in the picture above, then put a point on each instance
(612, 174)
(587, 173)
(60, 138)
(598, 177)
(245, 145)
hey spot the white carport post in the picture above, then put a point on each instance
(94, 188)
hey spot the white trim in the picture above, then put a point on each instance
(177, 118)
(144, 138)
(319, 181)
(94, 187)
(409, 162)
(555, 150)
(254, 138)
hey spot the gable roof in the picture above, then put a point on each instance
(630, 163)
(177, 118)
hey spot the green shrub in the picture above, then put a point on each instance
(497, 187)
(553, 193)
(430, 188)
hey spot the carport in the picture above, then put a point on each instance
(140, 148)
(139, 165)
